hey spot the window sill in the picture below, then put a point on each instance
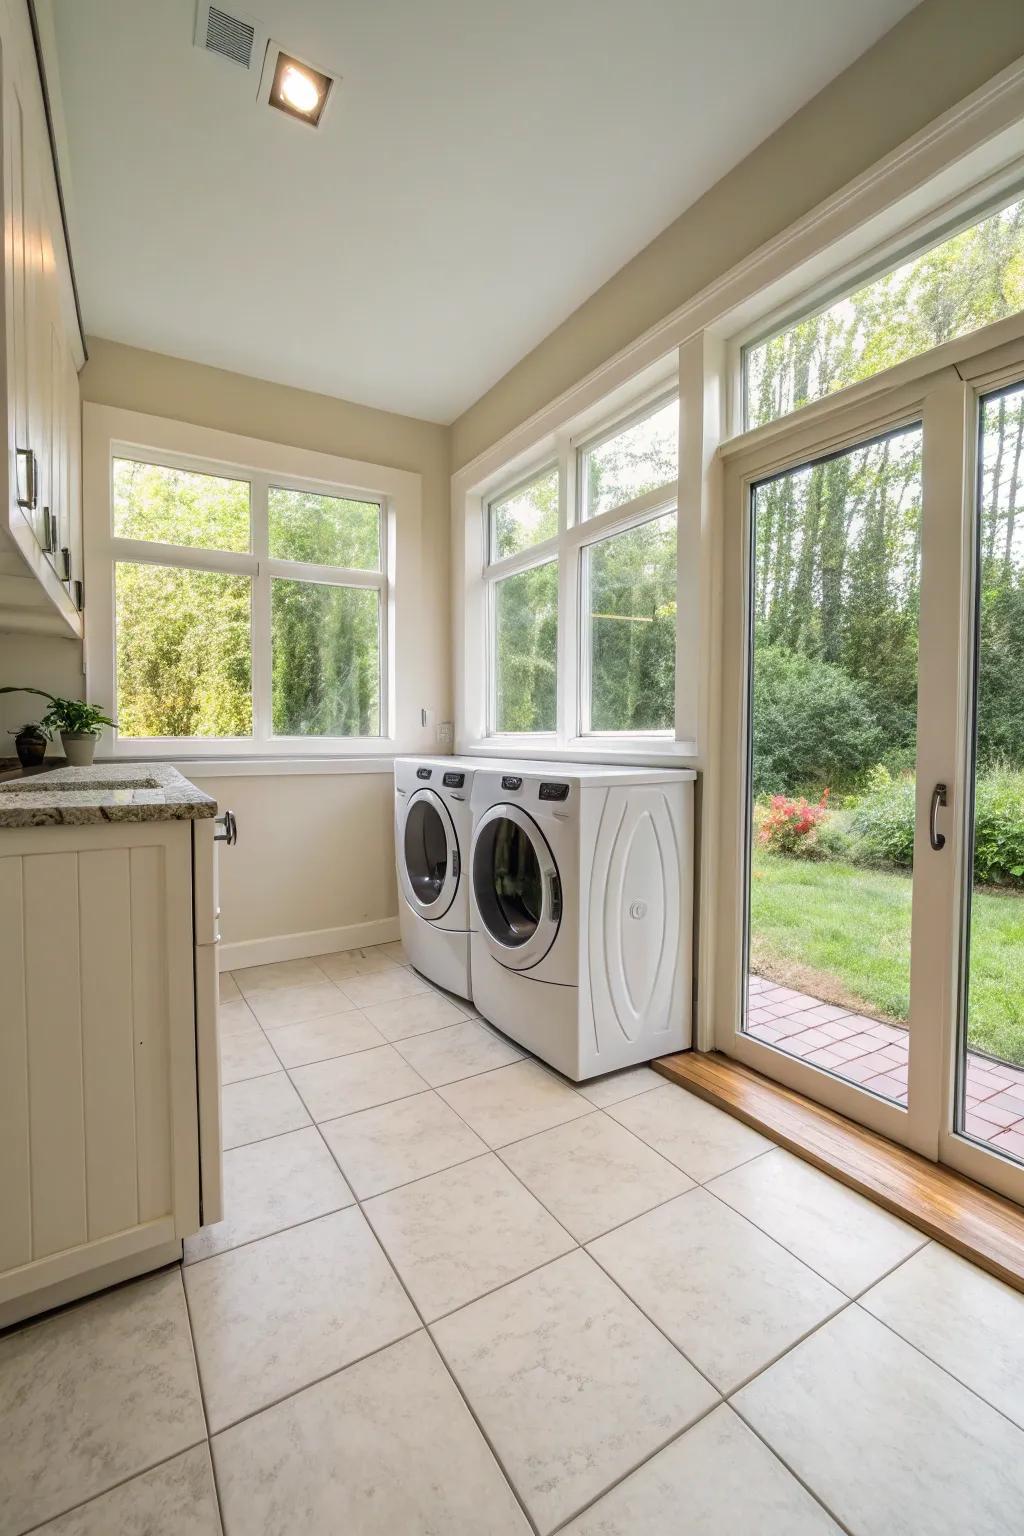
(651, 751)
(270, 767)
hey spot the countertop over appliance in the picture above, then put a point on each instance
(75, 797)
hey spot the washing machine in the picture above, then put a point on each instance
(433, 825)
(581, 907)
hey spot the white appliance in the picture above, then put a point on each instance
(433, 828)
(581, 911)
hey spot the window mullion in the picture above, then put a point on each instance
(566, 699)
(262, 665)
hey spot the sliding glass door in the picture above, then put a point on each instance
(873, 765)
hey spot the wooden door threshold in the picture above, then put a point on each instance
(981, 1226)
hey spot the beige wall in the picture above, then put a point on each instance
(38, 661)
(314, 853)
(939, 53)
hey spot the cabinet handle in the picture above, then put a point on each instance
(230, 832)
(28, 493)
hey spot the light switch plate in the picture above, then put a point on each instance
(445, 734)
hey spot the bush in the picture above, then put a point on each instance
(882, 825)
(792, 827)
(812, 724)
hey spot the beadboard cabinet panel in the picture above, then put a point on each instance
(99, 1133)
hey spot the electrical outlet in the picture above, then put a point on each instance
(446, 734)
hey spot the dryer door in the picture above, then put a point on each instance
(428, 856)
(516, 887)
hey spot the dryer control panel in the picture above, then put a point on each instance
(549, 791)
(454, 780)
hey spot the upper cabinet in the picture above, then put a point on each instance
(40, 485)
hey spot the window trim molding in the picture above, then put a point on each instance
(110, 431)
(568, 550)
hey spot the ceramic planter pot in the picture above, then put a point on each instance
(31, 749)
(79, 747)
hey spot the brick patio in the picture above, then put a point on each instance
(876, 1055)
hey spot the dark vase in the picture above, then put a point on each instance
(31, 749)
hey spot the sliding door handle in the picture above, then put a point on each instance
(939, 797)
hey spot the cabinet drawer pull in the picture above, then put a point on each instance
(28, 486)
(230, 832)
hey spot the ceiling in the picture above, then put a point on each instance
(486, 166)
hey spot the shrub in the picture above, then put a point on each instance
(812, 724)
(882, 825)
(792, 826)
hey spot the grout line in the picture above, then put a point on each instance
(121, 1482)
(846, 1529)
(202, 1393)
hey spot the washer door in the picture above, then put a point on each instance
(429, 861)
(516, 886)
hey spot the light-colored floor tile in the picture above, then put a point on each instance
(228, 987)
(280, 973)
(593, 1174)
(887, 1440)
(270, 1185)
(383, 987)
(458, 1234)
(617, 1086)
(968, 1322)
(354, 962)
(395, 1143)
(385, 1448)
(259, 1107)
(294, 1005)
(846, 1238)
(415, 1015)
(571, 1384)
(173, 1499)
(95, 1395)
(246, 1053)
(731, 1298)
(235, 1017)
(347, 1083)
(701, 1140)
(462, 1050)
(715, 1480)
(280, 1313)
(513, 1102)
(319, 1039)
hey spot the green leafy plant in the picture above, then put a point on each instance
(69, 715)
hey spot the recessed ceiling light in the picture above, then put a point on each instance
(298, 89)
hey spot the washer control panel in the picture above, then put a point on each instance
(454, 780)
(511, 781)
(424, 773)
(550, 791)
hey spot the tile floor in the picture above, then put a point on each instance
(454, 1295)
(877, 1055)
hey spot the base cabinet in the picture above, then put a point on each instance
(107, 1053)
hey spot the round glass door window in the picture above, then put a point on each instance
(508, 882)
(426, 852)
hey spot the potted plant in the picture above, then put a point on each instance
(30, 745)
(79, 724)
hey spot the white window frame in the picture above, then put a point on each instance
(110, 434)
(576, 535)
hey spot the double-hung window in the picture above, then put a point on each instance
(249, 609)
(581, 579)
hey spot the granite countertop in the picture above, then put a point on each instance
(77, 797)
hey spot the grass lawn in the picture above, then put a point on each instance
(842, 933)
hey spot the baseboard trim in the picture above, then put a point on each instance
(300, 946)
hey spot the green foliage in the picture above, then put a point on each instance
(812, 724)
(883, 821)
(966, 282)
(69, 715)
(632, 587)
(525, 517)
(178, 506)
(526, 649)
(324, 530)
(326, 659)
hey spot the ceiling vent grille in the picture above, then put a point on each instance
(231, 34)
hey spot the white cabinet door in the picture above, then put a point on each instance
(98, 1112)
